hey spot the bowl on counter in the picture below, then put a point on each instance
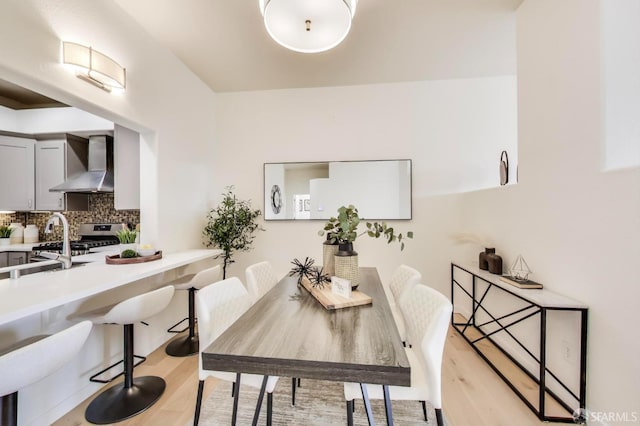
(146, 250)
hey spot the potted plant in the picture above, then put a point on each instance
(343, 229)
(5, 235)
(231, 227)
(127, 240)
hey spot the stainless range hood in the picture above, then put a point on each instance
(99, 176)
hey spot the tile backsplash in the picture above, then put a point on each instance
(100, 211)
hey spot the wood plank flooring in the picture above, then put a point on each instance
(472, 393)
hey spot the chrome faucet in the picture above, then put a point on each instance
(65, 256)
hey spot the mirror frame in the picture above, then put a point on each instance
(276, 195)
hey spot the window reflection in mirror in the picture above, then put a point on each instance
(380, 189)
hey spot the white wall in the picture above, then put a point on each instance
(453, 130)
(164, 101)
(577, 226)
(171, 109)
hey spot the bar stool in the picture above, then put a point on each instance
(33, 359)
(188, 345)
(135, 395)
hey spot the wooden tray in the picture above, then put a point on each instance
(117, 260)
(332, 301)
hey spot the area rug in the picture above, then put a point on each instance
(318, 403)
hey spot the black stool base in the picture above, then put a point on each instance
(183, 346)
(119, 403)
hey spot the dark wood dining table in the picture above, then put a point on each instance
(289, 333)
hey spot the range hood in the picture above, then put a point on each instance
(99, 176)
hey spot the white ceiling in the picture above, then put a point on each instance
(224, 42)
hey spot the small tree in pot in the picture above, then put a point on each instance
(231, 227)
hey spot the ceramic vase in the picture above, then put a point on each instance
(346, 264)
(482, 258)
(495, 263)
(329, 250)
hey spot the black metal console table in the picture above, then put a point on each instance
(494, 308)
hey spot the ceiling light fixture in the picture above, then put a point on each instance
(308, 26)
(93, 66)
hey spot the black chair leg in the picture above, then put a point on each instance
(269, 409)
(235, 399)
(256, 415)
(424, 409)
(9, 410)
(299, 385)
(293, 391)
(350, 410)
(439, 418)
(196, 416)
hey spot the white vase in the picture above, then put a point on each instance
(130, 246)
(5, 241)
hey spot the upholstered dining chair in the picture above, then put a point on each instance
(218, 306)
(260, 279)
(403, 278)
(427, 313)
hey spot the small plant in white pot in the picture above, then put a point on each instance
(5, 235)
(127, 240)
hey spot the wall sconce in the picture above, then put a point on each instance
(94, 67)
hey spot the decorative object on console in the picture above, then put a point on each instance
(495, 263)
(308, 26)
(509, 279)
(504, 168)
(483, 263)
(231, 227)
(520, 270)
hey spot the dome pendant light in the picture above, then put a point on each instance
(308, 26)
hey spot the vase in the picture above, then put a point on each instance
(495, 263)
(128, 246)
(482, 258)
(5, 241)
(329, 250)
(346, 264)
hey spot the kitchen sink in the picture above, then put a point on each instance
(43, 268)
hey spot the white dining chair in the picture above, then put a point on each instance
(403, 278)
(31, 360)
(218, 306)
(260, 279)
(427, 313)
(189, 345)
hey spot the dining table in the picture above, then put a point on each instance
(287, 332)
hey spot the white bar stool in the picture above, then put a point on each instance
(33, 359)
(189, 345)
(135, 395)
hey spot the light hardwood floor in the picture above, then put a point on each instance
(472, 393)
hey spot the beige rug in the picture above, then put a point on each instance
(318, 403)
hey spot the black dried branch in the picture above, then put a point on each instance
(318, 278)
(302, 269)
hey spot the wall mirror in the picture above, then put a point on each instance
(380, 189)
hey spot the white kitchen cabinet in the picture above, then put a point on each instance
(126, 150)
(17, 177)
(56, 160)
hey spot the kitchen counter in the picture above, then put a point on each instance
(18, 247)
(35, 293)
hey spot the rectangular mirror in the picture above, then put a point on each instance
(380, 189)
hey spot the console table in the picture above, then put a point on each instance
(502, 323)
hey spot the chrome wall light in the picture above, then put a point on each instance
(308, 26)
(94, 67)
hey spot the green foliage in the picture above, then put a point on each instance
(5, 231)
(128, 253)
(125, 236)
(344, 228)
(231, 227)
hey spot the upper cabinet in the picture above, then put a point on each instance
(126, 151)
(17, 191)
(56, 160)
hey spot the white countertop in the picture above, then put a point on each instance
(39, 292)
(18, 247)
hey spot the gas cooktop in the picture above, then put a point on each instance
(92, 235)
